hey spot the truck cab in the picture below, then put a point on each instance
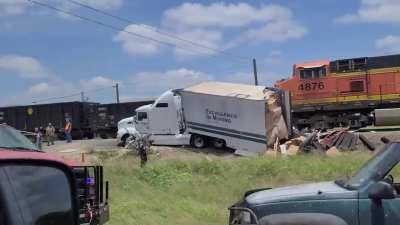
(36, 189)
(164, 120)
(370, 197)
(126, 128)
(40, 188)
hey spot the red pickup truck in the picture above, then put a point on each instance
(37, 188)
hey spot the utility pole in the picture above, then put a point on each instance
(117, 92)
(255, 72)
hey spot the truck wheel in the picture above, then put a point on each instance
(123, 140)
(198, 141)
(103, 136)
(218, 143)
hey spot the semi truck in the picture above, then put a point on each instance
(242, 117)
(108, 115)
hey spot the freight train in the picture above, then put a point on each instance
(343, 92)
(89, 119)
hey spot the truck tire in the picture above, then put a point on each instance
(123, 140)
(103, 135)
(218, 143)
(198, 141)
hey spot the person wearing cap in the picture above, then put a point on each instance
(50, 134)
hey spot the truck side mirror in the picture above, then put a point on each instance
(381, 190)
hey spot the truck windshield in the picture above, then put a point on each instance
(13, 139)
(376, 168)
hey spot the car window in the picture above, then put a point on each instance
(395, 172)
(141, 116)
(162, 105)
(376, 168)
(42, 194)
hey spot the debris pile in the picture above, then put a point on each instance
(331, 142)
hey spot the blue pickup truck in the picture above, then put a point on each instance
(369, 197)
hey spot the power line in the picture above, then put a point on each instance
(113, 27)
(168, 34)
(71, 95)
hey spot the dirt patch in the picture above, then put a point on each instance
(97, 150)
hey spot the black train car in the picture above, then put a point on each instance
(108, 116)
(29, 117)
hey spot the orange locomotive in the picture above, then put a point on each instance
(343, 92)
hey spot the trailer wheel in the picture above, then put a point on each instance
(198, 141)
(218, 143)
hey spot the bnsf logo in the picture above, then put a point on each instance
(312, 86)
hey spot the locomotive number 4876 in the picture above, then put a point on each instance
(312, 86)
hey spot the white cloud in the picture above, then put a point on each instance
(275, 57)
(97, 4)
(97, 82)
(223, 14)
(389, 44)
(386, 11)
(58, 88)
(135, 45)
(139, 86)
(12, 7)
(277, 31)
(154, 83)
(39, 88)
(217, 26)
(17, 7)
(266, 23)
(105, 4)
(26, 67)
(210, 38)
(43, 91)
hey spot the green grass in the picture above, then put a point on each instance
(198, 189)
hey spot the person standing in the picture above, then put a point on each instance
(67, 130)
(50, 134)
(38, 137)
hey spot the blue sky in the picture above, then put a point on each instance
(45, 54)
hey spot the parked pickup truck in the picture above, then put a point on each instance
(43, 189)
(370, 197)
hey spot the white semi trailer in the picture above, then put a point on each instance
(241, 117)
